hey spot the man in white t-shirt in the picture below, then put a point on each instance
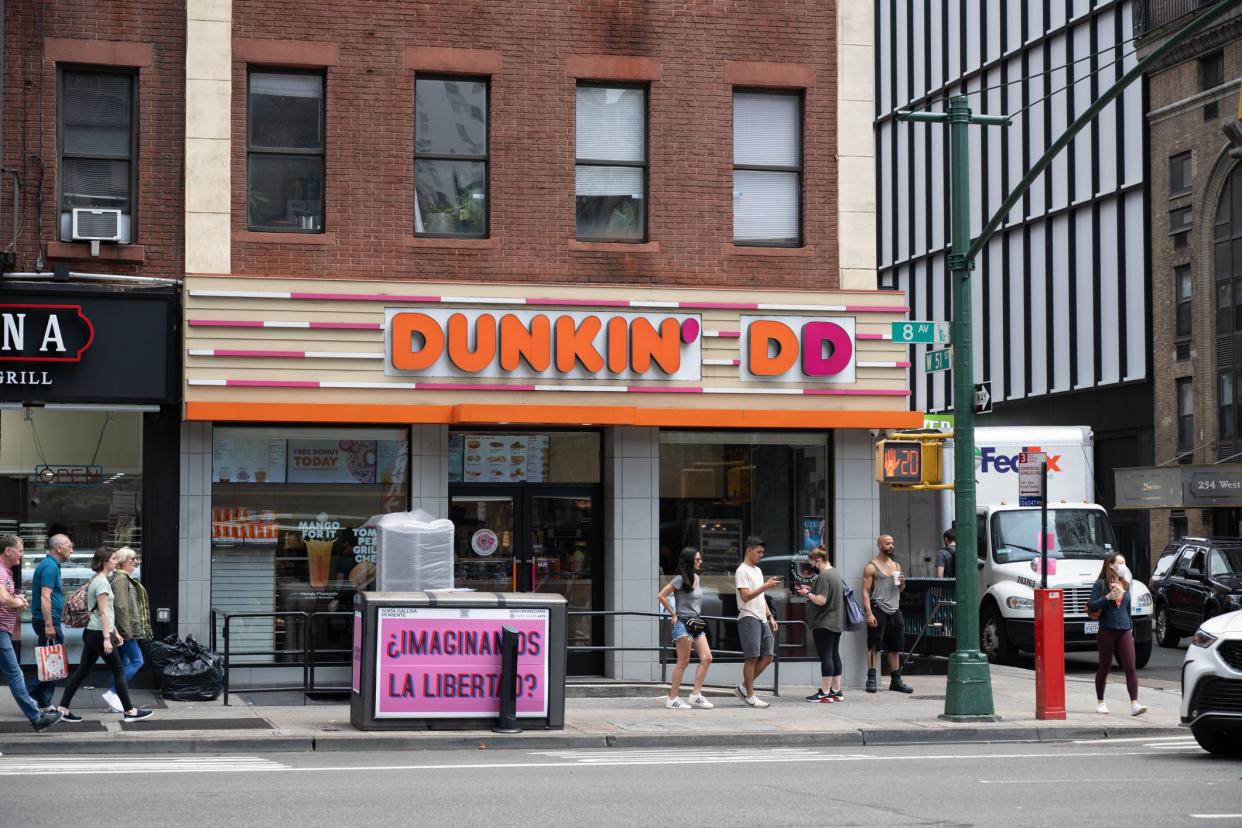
(756, 626)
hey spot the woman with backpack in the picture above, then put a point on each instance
(689, 629)
(825, 615)
(1110, 602)
(133, 620)
(101, 639)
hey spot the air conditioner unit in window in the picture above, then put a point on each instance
(90, 224)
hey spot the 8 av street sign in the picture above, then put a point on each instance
(921, 333)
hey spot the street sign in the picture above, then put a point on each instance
(941, 360)
(983, 397)
(921, 333)
(1030, 477)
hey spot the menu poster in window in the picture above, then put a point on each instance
(504, 458)
(248, 460)
(332, 461)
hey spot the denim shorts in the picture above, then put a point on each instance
(680, 631)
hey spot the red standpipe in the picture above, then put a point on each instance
(1049, 654)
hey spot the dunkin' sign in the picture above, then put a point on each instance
(595, 345)
(543, 344)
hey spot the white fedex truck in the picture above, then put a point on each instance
(1080, 536)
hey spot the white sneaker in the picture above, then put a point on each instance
(755, 701)
(700, 702)
(1137, 709)
(676, 704)
(113, 701)
(1101, 708)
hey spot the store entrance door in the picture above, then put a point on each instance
(535, 538)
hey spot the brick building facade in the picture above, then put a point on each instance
(1193, 104)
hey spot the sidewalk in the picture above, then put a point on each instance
(885, 718)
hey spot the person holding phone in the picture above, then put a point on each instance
(101, 639)
(756, 625)
(1110, 597)
(825, 615)
(686, 591)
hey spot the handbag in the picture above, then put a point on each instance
(695, 625)
(76, 613)
(52, 663)
(854, 617)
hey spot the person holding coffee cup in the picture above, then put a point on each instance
(882, 585)
(1110, 597)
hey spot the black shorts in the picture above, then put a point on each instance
(889, 632)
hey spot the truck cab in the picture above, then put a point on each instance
(1080, 536)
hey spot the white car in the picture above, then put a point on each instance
(1212, 685)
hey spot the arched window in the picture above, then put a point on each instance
(1227, 270)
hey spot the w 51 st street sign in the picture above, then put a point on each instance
(921, 333)
(941, 360)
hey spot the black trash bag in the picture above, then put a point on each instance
(163, 651)
(194, 674)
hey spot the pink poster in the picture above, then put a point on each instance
(435, 662)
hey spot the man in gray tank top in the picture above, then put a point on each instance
(882, 585)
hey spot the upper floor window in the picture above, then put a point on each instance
(1185, 417)
(1211, 70)
(767, 168)
(98, 148)
(1181, 275)
(450, 157)
(610, 189)
(285, 151)
(1179, 174)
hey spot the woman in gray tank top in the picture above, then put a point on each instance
(686, 591)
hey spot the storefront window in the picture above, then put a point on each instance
(288, 533)
(716, 488)
(77, 473)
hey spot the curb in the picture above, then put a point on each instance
(130, 746)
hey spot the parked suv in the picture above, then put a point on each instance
(1195, 579)
(1212, 685)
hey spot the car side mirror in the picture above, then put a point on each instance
(1194, 574)
(981, 564)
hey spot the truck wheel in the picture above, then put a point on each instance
(992, 639)
(1217, 740)
(1142, 654)
(1166, 636)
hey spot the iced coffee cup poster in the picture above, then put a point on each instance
(434, 662)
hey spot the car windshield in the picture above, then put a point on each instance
(1227, 561)
(1081, 534)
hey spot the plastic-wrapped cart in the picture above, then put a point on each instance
(414, 552)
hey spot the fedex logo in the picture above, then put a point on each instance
(988, 456)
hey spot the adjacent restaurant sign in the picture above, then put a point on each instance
(590, 346)
(434, 662)
(77, 344)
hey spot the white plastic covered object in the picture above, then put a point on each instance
(414, 551)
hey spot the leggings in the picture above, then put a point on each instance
(1122, 643)
(92, 651)
(828, 645)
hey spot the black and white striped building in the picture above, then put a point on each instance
(1061, 304)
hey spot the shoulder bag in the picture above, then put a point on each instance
(854, 617)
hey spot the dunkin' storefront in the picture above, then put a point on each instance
(577, 437)
(89, 430)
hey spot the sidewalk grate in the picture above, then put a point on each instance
(157, 723)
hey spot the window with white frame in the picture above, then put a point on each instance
(98, 147)
(767, 168)
(611, 163)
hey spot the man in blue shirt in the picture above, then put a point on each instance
(47, 608)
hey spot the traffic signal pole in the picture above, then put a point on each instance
(968, 697)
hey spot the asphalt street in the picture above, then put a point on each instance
(1140, 781)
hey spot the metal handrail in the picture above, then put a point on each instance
(308, 650)
(943, 602)
(665, 650)
(311, 651)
